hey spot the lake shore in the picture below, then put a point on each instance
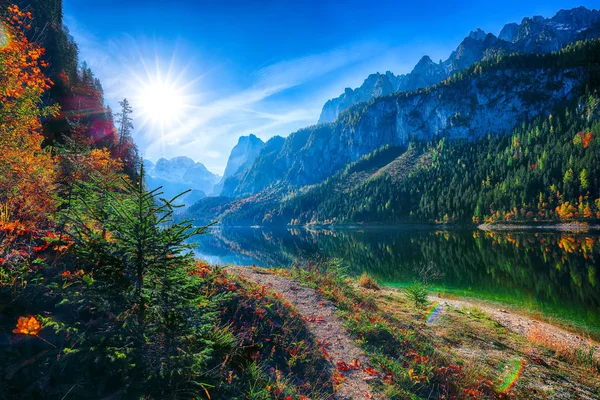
(562, 227)
(523, 324)
(519, 319)
(573, 322)
(541, 272)
(399, 340)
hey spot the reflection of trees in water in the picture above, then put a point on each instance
(544, 267)
(541, 265)
(277, 248)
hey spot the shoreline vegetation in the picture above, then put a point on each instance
(482, 346)
(572, 226)
(528, 312)
(559, 226)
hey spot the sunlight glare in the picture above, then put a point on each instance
(163, 96)
(162, 102)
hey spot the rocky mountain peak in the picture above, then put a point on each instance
(250, 140)
(382, 87)
(423, 63)
(241, 157)
(425, 73)
(576, 17)
(477, 34)
(533, 35)
(509, 32)
(175, 162)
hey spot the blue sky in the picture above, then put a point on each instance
(265, 67)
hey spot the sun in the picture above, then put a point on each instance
(161, 97)
(162, 102)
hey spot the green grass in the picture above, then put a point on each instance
(461, 353)
(407, 363)
(572, 318)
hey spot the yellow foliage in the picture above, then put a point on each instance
(367, 281)
(27, 175)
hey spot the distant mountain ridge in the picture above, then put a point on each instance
(183, 170)
(532, 35)
(179, 174)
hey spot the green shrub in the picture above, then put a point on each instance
(417, 293)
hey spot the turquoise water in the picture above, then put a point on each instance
(552, 273)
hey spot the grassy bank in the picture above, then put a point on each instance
(427, 351)
(574, 319)
(62, 339)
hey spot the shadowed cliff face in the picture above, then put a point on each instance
(241, 157)
(532, 35)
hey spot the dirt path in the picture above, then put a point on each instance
(518, 323)
(523, 325)
(320, 315)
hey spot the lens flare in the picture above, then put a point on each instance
(510, 380)
(433, 312)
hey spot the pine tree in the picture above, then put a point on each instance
(124, 125)
(142, 272)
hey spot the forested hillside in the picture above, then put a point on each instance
(492, 97)
(463, 175)
(546, 170)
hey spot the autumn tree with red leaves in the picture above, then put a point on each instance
(27, 176)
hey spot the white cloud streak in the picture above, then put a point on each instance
(211, 128)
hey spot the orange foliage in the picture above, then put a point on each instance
(586, 139)
(84, 165)
(28, 326)
(338, 378)
(566, 211)
(200, 269)
(26, 170)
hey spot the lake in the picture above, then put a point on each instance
(551, 273)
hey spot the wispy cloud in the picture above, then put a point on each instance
(302, 69)
(215, 120)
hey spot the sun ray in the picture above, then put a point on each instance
(162, 95)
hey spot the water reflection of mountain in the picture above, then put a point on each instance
(549, 270)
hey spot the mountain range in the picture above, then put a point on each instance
(469, 108)
(488, 86)
(532, 35)
(178, 175)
